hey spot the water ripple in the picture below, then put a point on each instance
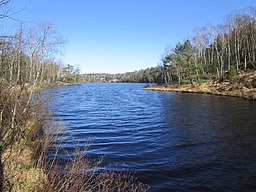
(173, 141)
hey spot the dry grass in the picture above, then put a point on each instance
(20, 172)
(242, 86)
(21, 122)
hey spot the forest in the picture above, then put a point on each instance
(215, 52)
(28, 57)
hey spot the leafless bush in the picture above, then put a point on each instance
(21, 122)
(19, 118)
(83, 174)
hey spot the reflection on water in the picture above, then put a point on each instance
(173, 141)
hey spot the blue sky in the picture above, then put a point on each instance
(115, 36)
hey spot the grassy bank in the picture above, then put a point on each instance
(242, 86)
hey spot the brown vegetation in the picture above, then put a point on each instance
(82, 174)
(21, 124)
(242, 86)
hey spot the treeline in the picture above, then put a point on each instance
(99, 77)
(150, 75)
(28, 57)
(215, 51)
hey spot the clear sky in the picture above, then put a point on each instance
(115, 36)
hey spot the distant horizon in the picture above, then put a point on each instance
(122, 36)
(115, 73)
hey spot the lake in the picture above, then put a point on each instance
(173, 141)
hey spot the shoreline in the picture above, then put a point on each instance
(243, 86)
(190, 89)
(26, 156)
(43, 86)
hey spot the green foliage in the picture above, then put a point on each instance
(214, 51)
(71, 74)
(232, 72)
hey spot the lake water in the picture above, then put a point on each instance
(173, 141)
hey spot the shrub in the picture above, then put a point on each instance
(232, 72)
(82, 174)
